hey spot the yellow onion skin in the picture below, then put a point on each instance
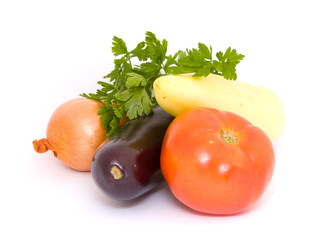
(74, 133)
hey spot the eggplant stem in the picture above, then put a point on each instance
(116, 172)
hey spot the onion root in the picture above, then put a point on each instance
(41, 146)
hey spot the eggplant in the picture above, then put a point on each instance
(128, 165)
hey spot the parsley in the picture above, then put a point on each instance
(129, 89)
(199, 61)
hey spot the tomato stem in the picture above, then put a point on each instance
(229, 136)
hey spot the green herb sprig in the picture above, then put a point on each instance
(130, 87)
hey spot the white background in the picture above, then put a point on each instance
(51, 51)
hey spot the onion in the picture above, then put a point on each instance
(74, 133)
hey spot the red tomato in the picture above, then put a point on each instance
(216, 162)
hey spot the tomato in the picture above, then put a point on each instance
(216, 162)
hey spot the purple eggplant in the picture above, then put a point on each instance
(128, 165)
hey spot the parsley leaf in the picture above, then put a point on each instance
(135, 80)
(199, 61)
(136, 101)
(227, 63)
(119, 46)
(129, 89)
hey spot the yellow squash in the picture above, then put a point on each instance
(259, 105)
